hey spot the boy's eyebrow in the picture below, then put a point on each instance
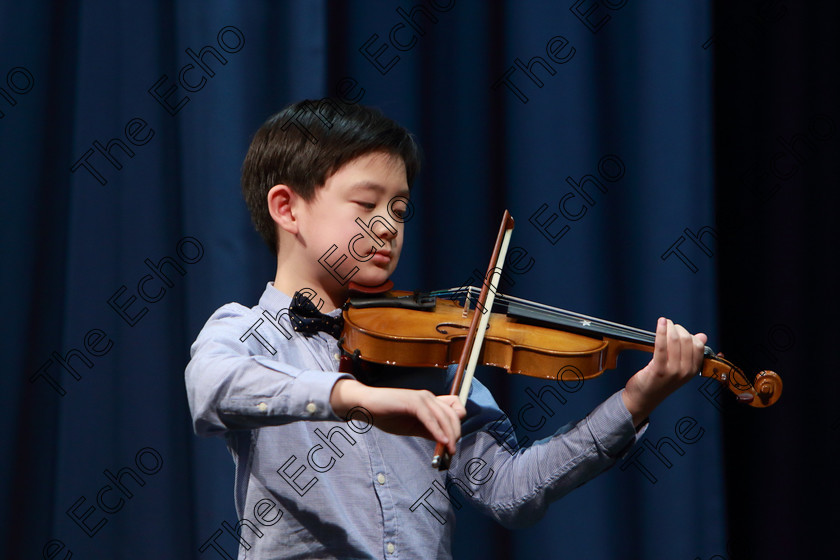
(372, 185)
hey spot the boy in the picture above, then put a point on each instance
(327, 467)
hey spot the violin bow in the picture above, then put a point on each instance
(478, 326)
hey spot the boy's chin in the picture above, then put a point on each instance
(371, 277)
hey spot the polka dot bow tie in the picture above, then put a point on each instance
(307, 319)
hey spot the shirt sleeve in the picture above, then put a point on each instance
(515, 485)
(230, 386)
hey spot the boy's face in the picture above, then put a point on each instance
(371, 189)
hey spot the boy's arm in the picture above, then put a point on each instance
(405, 412)
(516, 487)
(229, 387)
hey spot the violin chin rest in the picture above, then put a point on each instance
(362, 289)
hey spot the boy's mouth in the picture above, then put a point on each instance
(381, 257)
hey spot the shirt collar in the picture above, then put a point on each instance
(273, 301)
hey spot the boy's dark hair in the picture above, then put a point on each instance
(305, 143)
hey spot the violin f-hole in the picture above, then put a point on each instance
(439, 326)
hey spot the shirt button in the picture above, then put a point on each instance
(380, 478)
(390, 548)
(262, 406)
(311, 408)
(337, 356)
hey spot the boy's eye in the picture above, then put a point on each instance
(367, 205)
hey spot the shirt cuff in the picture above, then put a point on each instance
(611, 424)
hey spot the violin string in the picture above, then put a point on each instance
(643, 335)
(631, 332)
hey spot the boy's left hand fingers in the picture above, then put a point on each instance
(675, 347)
(699, 341)
(690, 351)
(685, 343)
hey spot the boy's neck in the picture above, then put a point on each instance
(289, 283)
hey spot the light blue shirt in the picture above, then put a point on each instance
(309, 485)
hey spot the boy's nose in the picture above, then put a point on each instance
(384, 231)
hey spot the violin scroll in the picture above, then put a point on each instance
(764, 391)
(768, 386)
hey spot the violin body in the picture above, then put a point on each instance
(419, 338)
(417, 330)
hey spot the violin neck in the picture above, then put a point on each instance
(552, 317)
(589, 326)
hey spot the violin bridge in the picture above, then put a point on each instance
(466, 310)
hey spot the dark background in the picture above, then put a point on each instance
(776, 110)
(698, 119)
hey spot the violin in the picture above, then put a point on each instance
(465, 326)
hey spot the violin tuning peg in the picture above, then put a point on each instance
(719, 354)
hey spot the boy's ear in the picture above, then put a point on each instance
(281, 205)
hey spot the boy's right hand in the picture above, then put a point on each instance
(404, 412)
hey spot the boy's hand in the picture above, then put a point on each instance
(677, 357)
(404, 412)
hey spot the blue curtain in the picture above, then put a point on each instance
(122, 133)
